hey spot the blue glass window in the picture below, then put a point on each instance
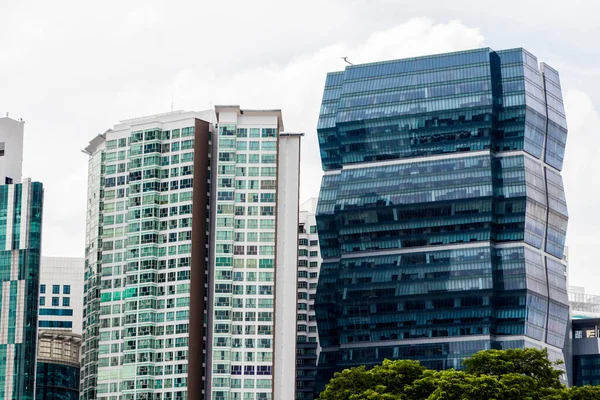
(42, 289)
(56, 311)
(56, 324)
(55, 301)
(66, 302)
(451, 150)
(66, 289)
(55, 289)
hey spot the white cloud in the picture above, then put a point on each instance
(74, 70)
(82, 102)
(298, 86)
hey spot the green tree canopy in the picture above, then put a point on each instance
(533, 363)
(524, 374)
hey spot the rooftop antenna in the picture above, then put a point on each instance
(346, 60)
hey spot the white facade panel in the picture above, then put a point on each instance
(61, 293)
(11, 150)
(285, 270)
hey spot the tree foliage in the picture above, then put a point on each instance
(525, 374)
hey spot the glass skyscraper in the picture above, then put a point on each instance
(146, 257)
(157, 186)
(254, 251)
(21, 205)
(442, 215)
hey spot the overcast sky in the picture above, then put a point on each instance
(72, 69)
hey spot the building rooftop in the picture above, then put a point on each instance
(251, 112)
(145, 122)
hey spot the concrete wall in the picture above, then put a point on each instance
(11, 138)
(284, 376)
(62, 271)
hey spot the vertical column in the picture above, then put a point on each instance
(197, 338)
(9, 371)
(285, 271)
(21, 315)
(4, 309)
(221, 346)
(25, 205)
(10, 208)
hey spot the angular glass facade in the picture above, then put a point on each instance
(20, 246)
(442, 215)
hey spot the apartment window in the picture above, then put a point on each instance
(66, 289)
(55, 301)
(238, 250)
(254, 146)
(269, 132)
(55, 289)
(268, 171)
(42, 289)
(42, 301)
(269, 145)
(252, 250)
(66, 302)
(267, 197)
(268, 159)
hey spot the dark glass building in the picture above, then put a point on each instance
(57, 375)
(20, 246)
(442, 215)
(586, 351)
